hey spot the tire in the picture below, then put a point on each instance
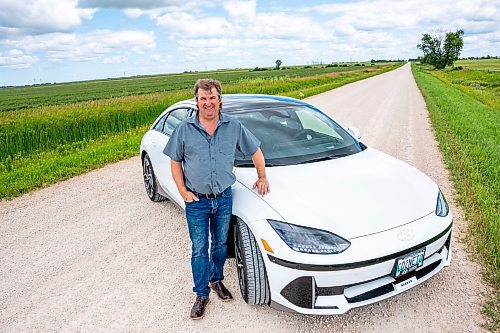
(150, 181)
(252, 275)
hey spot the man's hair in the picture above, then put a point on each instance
(207, 84)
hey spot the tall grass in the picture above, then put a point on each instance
(44, 168)
(469, 137)
(50, 127)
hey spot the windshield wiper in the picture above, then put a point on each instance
(323, 158)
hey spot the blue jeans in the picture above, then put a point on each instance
(203, 217)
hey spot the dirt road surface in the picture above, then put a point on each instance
(94, 254)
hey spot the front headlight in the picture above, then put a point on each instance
(442, 208)
(309, 240)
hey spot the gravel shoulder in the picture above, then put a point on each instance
(93, 253)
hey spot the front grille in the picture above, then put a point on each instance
(427, 269)
(371, 294)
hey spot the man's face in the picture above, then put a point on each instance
(208, 104)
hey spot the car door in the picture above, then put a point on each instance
(162, 162)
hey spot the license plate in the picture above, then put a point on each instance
(408, 263)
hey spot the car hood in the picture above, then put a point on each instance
(353, 196)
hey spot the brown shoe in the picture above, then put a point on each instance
(221, 291)
(199, 306)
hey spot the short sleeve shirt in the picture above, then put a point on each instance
(208, 160)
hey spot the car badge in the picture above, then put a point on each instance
(406, 235)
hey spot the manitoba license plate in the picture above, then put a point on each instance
(408, 263)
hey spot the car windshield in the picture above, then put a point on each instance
(294, 135)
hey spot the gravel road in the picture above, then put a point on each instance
(94, 254)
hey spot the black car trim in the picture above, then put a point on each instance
(353, 265)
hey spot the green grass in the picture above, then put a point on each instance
(28, 97)
(479, 79)
(468, 133)
(480, 64)
(47, 128)
(42, 169)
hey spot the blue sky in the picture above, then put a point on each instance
(70, 40)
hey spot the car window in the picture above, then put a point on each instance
(159, 125)
(173, 119)
(295, 134)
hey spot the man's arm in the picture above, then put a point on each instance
(262, 185)
(178, 176)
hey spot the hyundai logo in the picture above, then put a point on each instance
(406, 235)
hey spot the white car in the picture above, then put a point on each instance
(344, 225)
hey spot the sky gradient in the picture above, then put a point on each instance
(68, 40)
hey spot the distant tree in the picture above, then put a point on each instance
(441, 50)
(278, 64)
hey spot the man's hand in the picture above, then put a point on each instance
(189, 196)
(178, 176)
(262, 186)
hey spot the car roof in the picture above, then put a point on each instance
(239, 102)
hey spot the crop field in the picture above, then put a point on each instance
(19, 98)
(479, 78)
(44, 144)
(480, 64)
(466, 118)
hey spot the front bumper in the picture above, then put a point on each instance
(335, 288)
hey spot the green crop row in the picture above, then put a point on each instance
(468, 135)
(49, 128)
(29, 97)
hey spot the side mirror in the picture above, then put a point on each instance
(355, 132)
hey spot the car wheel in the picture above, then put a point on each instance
(150, 181)
(252, 275)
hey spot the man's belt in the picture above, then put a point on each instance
(209, 195)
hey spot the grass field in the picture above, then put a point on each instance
(480, 64)
(479, 78)
(38, 143)
(19, 98)
(467, 125)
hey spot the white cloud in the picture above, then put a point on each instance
(424, 14)
(185, 24)
(161, 58)
(42, 16)
(241, 10)
(114, 60)
(155, 12)
(93, 46)
(16, 59)
(122, 4)
(285, 26)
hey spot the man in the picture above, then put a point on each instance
(202, 152)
